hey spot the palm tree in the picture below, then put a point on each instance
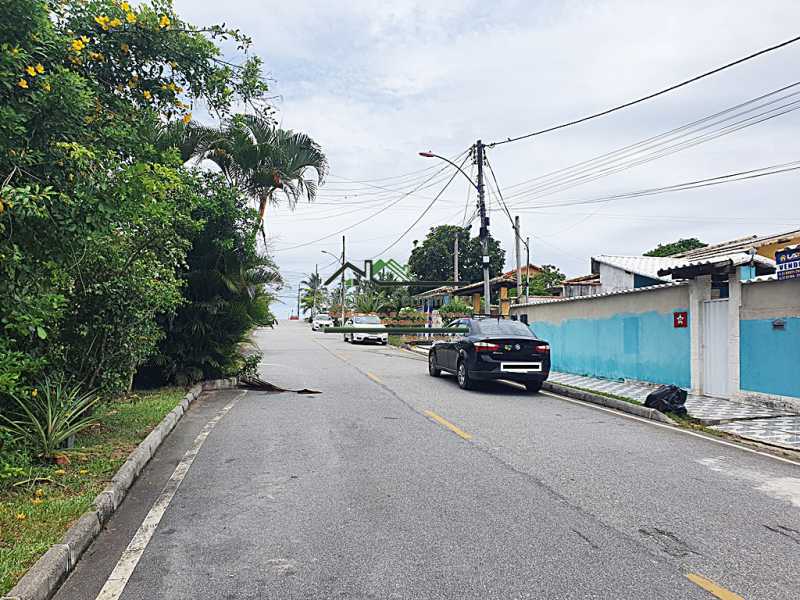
(314, 292)
(312, 284)
(371, 302)
(267, 162)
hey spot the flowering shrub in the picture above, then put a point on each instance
(96, 213)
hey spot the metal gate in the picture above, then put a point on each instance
(715, 348)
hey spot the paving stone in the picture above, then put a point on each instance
(783, 431)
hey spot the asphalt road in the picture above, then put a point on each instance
(393, 484)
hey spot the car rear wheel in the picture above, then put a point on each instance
(462, 374)
(433, 370)
(533, 386)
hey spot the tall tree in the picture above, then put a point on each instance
(433, 258)
(267, 162)
(313, 293)
(541, 282)
(682, 245)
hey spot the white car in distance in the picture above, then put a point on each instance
(366, 322)
(321, 321)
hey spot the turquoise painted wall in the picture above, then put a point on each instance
(770, 358)
(642, 346)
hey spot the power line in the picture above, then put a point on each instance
(648, 96)
(679, 187)
(371, 216)
(662, 135)
(424, 212)
(653, 152)
(401, 176)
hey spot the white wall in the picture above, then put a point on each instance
(613, 279)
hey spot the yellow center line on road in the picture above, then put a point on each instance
(712, 588)
(442, 421)
(374, 378)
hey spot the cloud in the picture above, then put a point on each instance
(376, 82)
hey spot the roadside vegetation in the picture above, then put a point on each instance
(40, 500)
(123, 262)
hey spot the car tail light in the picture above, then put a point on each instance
(486, 347)
(543, 348)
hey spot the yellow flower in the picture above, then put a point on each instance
(83, 471)
(186, 118)
(39, 68)
(124, 47)
(34, 392)
(115, 22)
(95, 56)
(163, 21)
(130, 18)
(84, 39)
(59, 472)
(102, 21)
(147, 95)
(23, 83)
(31, 71)
(125, 6)
(46, 87)
(78, 45)
(21, 516)
(37, 501)
(39, 492)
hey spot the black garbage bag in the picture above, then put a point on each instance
(667, 398)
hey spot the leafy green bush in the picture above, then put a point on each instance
(55, 412)
(95, 213)
(455, 308)
(224, 289)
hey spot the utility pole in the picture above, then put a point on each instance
(342, 323)
(298, 302)
(484, 231)
(517, 241)
(314, 300)
(455, 259)
(528, 261)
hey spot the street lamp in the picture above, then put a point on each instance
(339, 258)
(450, 162)
(484, 230)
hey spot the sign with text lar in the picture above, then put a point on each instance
(788, 262)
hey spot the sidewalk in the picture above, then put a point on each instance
(748, 420)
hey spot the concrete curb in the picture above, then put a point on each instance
(564, 390)
(44, 578)
(415, 350)
(620, 405)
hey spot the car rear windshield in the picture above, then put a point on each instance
(368, 320)
(495, 327)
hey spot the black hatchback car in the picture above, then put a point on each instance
(493, 349)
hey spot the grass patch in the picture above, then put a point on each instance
(35, 513)
(605, 394)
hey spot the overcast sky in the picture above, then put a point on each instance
(375, 82)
